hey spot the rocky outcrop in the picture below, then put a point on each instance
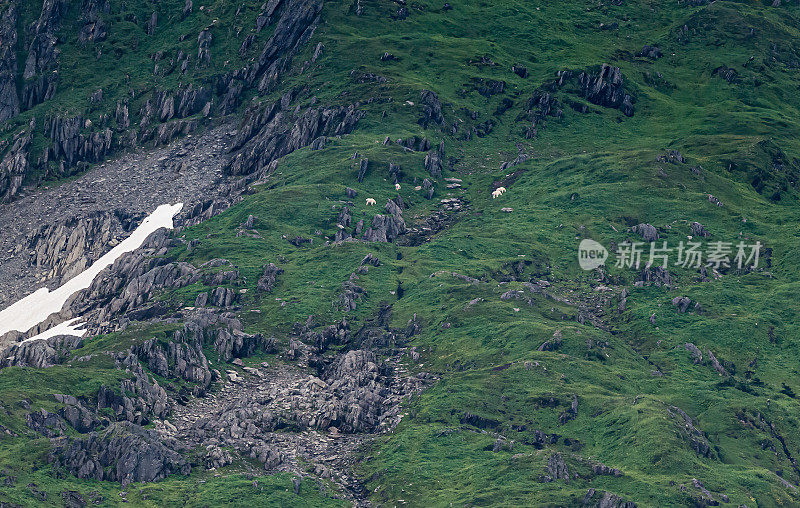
(272, 132)
(727, 73)
(40, 74)
(67, 248)
(449, 211)
(699, 230)
(204, 48)
(343, 223)
(682, 303)
(697, 356)
(14, 164)
(538, 107)
(433, 163)
(158, 112)
(9, 98)
(73, 142)
(94, 29)
(294, 27)
(139, 399)
(431, 110)
(556, 469)
(351, 293)
(355, 394)
(179, 359)
(124, 452)
(39, 353)
(269, 278)
(595, 499)
(656, 275)
(695, 438)
(649, 51)
(130, 281)
(386, 228)
(604, 87)
(45, 423)
(76, 413)
(648, 232)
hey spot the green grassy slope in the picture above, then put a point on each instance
(590, 175)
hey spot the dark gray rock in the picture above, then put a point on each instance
(204, 48)
(698, 229)
(40, 74)
(682, 303)
(9, 98)
(39, 353)
(363, 167)
(67, 248)
(14, 165)
(124, 453)
(45, 423)
(386, 228)
(72, 499)
(94, 28)
(431, 110)
(73, 143)
(727, 73)
(269, 278)
(519, 70)
(433, 163)
(647, 231)
(351, 292)
(217, 457)
(605, 87)
(657, 275)
(716, 364)
(272, 132)
(557, 468)
(538, 107)
(649, 51)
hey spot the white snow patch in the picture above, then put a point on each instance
(39, 305)
(74, 327)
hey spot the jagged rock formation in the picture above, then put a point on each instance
(40, 353)
(648, 232)
(14, 163)
(9, 98)
(540, 105)
(604, 87)
(67, 248)
(269, 278)
(94, 28)
(431, 109)
(123, 452)
(41, 66)
(386, 228)
(72, 144)
(272, 132)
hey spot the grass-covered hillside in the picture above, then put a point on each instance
(553, 386)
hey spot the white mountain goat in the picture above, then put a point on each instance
(498, 192)
(370, 202)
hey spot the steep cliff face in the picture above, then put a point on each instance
(9, 98)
